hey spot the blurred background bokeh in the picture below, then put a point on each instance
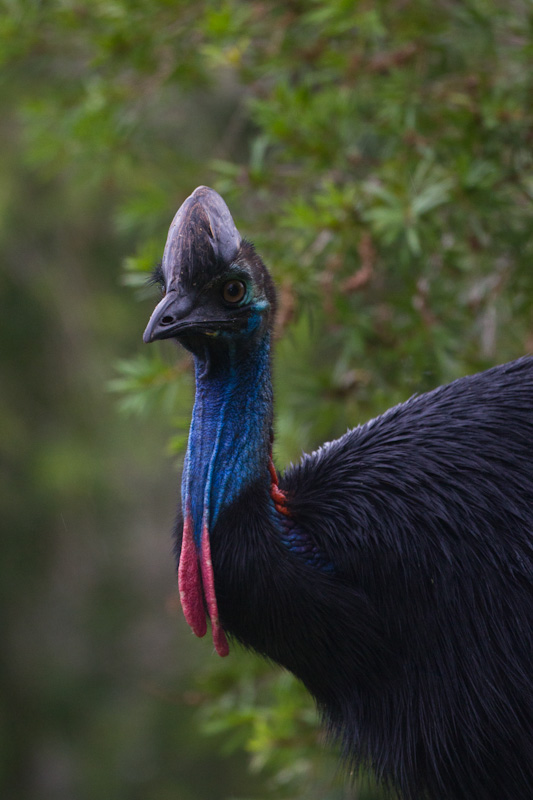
(379, 154)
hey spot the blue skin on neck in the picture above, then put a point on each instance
(229, 444)
(229, 439)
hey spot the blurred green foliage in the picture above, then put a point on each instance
(378, 153)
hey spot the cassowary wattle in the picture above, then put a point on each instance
(197, 586)
(391, 570)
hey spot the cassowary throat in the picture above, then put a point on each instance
(391, 570)
(220, 303)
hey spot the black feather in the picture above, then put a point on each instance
(156, 277)
(419, 647)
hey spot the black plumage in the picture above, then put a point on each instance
(392, 569)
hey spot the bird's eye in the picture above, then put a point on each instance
(233, 291)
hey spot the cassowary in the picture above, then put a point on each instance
(391, 570)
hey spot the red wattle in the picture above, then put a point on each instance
(208, 580)
(279, 497)
(190, 582)
(194, 586)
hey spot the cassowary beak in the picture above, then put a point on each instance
(169, 316)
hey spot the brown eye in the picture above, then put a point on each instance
(233, 291)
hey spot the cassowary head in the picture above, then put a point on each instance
(216, 288)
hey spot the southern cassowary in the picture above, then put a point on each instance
(391, 570)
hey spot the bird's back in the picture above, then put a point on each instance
(427, 512)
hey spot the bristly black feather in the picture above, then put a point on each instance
(156, 277)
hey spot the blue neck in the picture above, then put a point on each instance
(229, 438)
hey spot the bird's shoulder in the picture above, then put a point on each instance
(463, 448)
(482, 409)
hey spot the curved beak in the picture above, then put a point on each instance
(169, 315)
